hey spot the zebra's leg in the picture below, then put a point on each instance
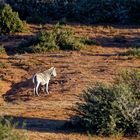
(47, 87)
(37, 89)
(34, 85)
(34, 91)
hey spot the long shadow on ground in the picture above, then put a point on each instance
(23, 91)
(18, 91)
(42, 125)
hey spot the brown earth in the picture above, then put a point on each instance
(46, 114)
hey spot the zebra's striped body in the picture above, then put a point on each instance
(43, 79)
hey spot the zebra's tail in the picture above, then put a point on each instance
(33, 78)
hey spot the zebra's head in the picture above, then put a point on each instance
(53, 71)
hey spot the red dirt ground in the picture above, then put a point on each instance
(44, 115)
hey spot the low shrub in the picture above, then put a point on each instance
(134, 52)
(3, 65)
(67, 40)
(8, 132)
(110, 109)
(57, 39)
(2, 50)
(46, 42)
(10, 21)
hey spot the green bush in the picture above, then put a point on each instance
(46, 41)
(8, 132)
(86, 11)
(67, 40)
(10, 21)
(134, 52)
(111, 110)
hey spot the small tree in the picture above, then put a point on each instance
(10, 21)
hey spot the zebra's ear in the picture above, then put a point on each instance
(51, 68)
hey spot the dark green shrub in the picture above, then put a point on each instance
(42, 9)
(46, 41)
(86, 11)
(10, 21)
(8, 132)
(110, 110)
(67, 40)
(57, 40)
(111, 11)
(134, 52)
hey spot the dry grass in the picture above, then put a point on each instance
(75, 71)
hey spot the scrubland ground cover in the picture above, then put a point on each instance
(77, 70)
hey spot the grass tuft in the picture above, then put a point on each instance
(134, 52)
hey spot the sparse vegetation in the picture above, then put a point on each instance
(134, 52)
(111, 110)
(10, 21)
(8, 132)
(3, 65)
(2, 50)
(46, 41)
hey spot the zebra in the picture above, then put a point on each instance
(43, 79)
